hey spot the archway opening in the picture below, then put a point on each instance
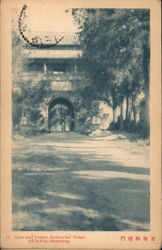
(60, 115)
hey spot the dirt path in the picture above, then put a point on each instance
(68, 181)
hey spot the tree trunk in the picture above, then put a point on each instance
(147, 117)
(121, 115)
(127, 124)
(114, 115)
(134, 112)
(146, 72)
(134, 115)
(114, 110)
(127, 108)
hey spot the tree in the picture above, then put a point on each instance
(26, 97)
(114, 43)
(18, 65)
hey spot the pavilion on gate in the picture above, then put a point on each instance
(61, 66)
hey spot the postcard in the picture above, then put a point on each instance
(80, 124)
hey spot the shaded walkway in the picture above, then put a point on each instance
(72, 182)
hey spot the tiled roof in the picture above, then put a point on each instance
(63, 38)
(56, 54)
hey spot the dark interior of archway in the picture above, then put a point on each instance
(61, 115)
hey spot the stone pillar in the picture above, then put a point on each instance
(46, 123)
(45, 68)
(45, 117)
(75, 68)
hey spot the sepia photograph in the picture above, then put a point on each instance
(81, 125)
(80, 120)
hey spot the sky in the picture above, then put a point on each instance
(50, 19)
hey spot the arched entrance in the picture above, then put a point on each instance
(60, 115)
